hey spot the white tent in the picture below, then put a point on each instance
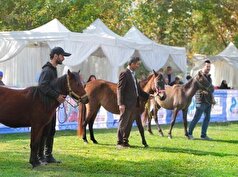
(153, 55)
(23, 53)
(224, 66)
(97, 51)
(108, 54)
(160, 55)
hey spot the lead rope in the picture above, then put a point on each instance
(71, 93)
(65, 114)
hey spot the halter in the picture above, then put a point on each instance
(72, 94)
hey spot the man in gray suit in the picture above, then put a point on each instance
(128, 92)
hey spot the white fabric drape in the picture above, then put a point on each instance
(224, 66)
(80, 51)
(156, 58)
(23, 70)
(117, 56)
(10, 48)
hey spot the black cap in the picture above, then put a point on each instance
(58, 51)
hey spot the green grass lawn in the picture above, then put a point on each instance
(164, 157)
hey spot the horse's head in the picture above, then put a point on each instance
(159, 85)
(203, 82)
(76, 88)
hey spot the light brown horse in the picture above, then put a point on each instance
(150, 112)
(104, 93)
(179, 97)
(31, 108)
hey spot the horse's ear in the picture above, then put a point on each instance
(199, 73)
(155, 73)
(79, 71)
(69, 73)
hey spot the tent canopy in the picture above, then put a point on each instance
(224, 66)
(97, 50)
(160, 55)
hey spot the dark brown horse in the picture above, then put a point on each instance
(104, 93)
(31, 108)
(179, 97)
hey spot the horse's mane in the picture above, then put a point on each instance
(188, 84)
(145, 81)
(37, 92)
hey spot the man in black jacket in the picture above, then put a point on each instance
(48, 74)
(204, 100)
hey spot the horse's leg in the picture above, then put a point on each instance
(41, 150)
(82, 121)
(144, 118)
(185, 122)
(175, 112)
(87, 117)
(85, 131)
(141, 130)
(36, 134)
(149, 123)
(155, 111)
(90, 125)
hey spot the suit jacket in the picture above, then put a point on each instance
(126, 90)
(172, 77)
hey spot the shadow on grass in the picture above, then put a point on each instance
(191, 151)
(226, 141)
(173, 150)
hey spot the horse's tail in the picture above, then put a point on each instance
(81, 118)
(145, 114)
(144, 117)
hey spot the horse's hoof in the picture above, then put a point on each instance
(150, 132)
(35, 164)
(161, 133)
(146, 145)
(170, 136)
(85, 141)
(95, 142)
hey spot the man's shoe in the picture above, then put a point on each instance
(51, 159)
(42, 160)
(126, 145)
(190, 137)
(206, 138)
(120, 146)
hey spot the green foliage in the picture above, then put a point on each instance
(236, 40)
(164, 157)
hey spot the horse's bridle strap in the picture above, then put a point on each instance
(72, 93)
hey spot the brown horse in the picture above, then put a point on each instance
(150, 112)
(31, 108)
(104, 93)
(179, 97)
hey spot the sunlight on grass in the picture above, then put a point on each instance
(164, 157)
